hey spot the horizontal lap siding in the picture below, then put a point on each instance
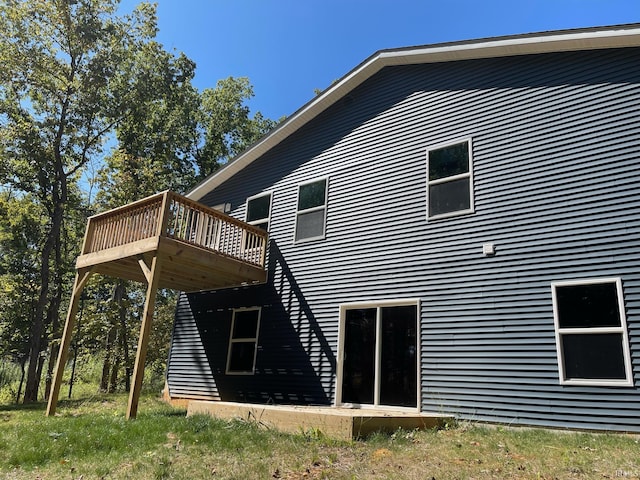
(556, 183)
(556, 189)
(284, 364)
(188, 371)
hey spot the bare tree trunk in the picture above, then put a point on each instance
(108, 356)
(53, 354)
(124, 335)
(38, 327)
(39, 374)
(124, 338)
(59, 197)
(117, 360)
(23, 361)
(113, 379)
(33, 381)
(73, 369)
(53, 317)
(106, 370)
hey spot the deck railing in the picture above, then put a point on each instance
(171, 215)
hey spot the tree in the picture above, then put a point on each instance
(21, 226)
(226, 124)
(75, 76)
(171, 143)
(71, 72)
(168, 145)
(158, 142)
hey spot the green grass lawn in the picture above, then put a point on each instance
(90, 439)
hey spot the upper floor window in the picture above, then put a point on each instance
(449, 180)
(312, 209)
(259, 210)
(243, 341)
(591, 332)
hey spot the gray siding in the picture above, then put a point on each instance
(556, 157)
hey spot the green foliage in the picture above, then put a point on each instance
(21, 227)
(69, 73)
(76, 76)
(158, 142)
(107, 333)
(180, 138)
(73, 75)
(227, 124)
(10, 374)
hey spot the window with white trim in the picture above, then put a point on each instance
(449, 180)
(312, 209)
(259, 210)
(591, 332)
(243, 341)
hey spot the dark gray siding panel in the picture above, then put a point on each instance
(187, 358)
(556, 152)
(284, 365)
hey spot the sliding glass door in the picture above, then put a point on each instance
(379, 361)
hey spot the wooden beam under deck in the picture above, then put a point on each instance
(185, 267)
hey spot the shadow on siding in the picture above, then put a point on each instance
(295, 363)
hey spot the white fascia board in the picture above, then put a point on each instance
(570, 40)
(520, 45)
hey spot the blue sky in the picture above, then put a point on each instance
(288, 48)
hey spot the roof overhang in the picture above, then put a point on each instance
(529, 44)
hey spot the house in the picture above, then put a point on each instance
(453, 228)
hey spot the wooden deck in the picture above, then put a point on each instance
(334, 422)
(199, 247)
(165, 241)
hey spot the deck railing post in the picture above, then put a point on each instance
(165, 209)
(89, 233)
(263, 251)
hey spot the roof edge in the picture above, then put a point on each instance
(594, 38)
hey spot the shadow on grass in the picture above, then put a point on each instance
(97, 402)
(169, 413)
(18, 407)
(21, 407)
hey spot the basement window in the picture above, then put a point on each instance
(591, 332)
(243, 341)
(312, 210)
(449, 180)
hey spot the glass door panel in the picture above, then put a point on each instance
(358, 370)
(397, 376)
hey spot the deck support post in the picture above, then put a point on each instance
(143, 341)
(82, 277)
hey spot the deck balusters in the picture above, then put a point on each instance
(187, 221)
